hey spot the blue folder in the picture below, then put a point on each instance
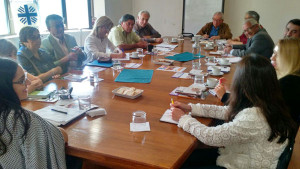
(102, 64)
(183, 57)
(135, 76)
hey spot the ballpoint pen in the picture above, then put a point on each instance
(59, 111)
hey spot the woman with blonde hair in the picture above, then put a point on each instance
(98, 46)
(286, 60)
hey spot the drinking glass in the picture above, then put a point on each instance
(117, 64)
(84, 102)
(199, 79)
(139, 117)
(139, 51)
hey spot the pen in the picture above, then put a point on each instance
(59, 111)
(172, 101)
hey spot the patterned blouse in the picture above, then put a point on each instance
(33, 65)
(243, 141)
(42, 148)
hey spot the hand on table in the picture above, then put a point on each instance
(220, 89)
(142, 44)
(158, 40)
(177, 113)
(184, 107)
(228, 48)
(214, 37)
(205, 36)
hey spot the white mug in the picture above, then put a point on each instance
(216, 70)
(209, 45)
(134, 54)
(212, 82)
(224, 61)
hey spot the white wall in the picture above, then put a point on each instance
(274, 14)
(166, 15)
(99, 8)
(115, 9)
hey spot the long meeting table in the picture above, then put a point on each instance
(107, 141)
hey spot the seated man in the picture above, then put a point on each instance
(242, 38)
(122, 35)
(259, 41)
(62, 46)
(216, 29)
(293, 29)
(144, 29)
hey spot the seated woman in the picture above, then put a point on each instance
(286, 60)
(33, 59)
(98, 46)
(258, 126)
(26, 140)
(7, 49)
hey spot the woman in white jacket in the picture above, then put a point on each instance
(257, 124)
(97, 46)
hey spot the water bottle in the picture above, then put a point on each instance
(196, 53)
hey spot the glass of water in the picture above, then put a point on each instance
(84, 102)
(199, 79)
(117, 65)
(139, 51)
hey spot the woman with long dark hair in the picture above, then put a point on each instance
(258, 125)
(26, 140)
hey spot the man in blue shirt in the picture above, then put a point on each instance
(216, 29)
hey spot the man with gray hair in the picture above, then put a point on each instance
(122, 35)
(242, 38)
(144, 29)
(259, 41)
(216, 29)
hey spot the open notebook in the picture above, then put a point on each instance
(61, 114)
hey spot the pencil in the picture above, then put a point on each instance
(172, 101)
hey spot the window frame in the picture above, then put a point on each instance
(10, 22)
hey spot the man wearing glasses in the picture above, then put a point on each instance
(259, 41)
(62, 46)
(216, 29)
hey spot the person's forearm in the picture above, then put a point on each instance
(47, 75)
(62, 60)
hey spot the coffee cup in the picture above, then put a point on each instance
(212, 82)
(134, 54)
(174, 39)
(224, 61)
(197, 38)
(216, 70)
(209, 45)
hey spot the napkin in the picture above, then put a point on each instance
(96, 112)
(136, 127)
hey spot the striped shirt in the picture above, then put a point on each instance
(42, 147)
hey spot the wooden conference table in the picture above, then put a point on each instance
(107, 140)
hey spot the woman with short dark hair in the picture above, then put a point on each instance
(7, 49)
(34, 59)
(26, 140)
(258, 125)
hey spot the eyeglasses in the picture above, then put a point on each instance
(249, 29)
(22, 81)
